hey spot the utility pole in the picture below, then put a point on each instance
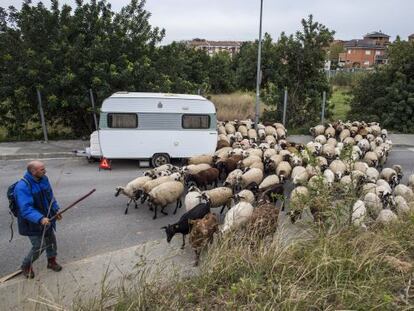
(259, 78)
(284, 106)
(323, 107)
(42, 116)
(93, 108)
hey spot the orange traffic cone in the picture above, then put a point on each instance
(105, 164)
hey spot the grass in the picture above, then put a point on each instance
(340, 101)
(238, 105)
(333, 266)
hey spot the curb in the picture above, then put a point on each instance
(40, 155)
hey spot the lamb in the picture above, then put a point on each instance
(192, 198)
(165, 194)
(218, 197)
(405, 192)
(205, 158)
(204, 178)
(130, 190)
(283, 170)
(237, 215)
(358, 213)
(183, 226)
(299, 175)
(202, 232)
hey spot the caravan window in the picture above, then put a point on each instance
(122, 120)
(196, 121)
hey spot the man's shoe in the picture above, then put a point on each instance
(52, 264)
(28, 272)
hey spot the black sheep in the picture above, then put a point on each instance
(183, 225)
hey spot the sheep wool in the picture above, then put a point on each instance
(358, 213)
(270, 180)
(245, 196)
(205, 158)
(166, 193)
(386, 216)
(237, 216)
(218, 196)
(405, 192)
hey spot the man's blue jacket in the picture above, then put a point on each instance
(33, 202)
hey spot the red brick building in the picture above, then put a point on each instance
(366, 52)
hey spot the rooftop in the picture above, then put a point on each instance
(376, 34)
(363, 44)
(156, 95)
(203, 42)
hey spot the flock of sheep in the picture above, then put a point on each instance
(250, 167)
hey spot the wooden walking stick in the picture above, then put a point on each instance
(16, 273)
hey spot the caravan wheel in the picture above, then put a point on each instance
(159, 159)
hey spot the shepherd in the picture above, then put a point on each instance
(36, 216)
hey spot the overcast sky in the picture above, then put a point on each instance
(239, 19)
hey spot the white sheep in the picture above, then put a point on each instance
(401, 206)
(329, 176)
(223, 153)
(299, 175)
(131, 188)
(258, 165)
(320, 139)
(328, 151)
(252, 175)
(390, 176)
(252, 134)
(164, 194)
(237, 216)
(360, 166)
(405, 192)
(204, 158)
(195, 168)
(283, 170)
(151, 184)
(230, 129)
(270, 130)
(245, 196)
(386, 216)
(281, 133)
(330, 132)
(249, 161)
(232, 177)
(218, 197)
(317, 130)
(339, 169)
(373, 204)
(369, 188)
(372, 174)
(359, 212)
(192, 198)
(269, 181)
(254, 152)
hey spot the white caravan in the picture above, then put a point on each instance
(156, 126)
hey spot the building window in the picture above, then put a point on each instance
(349, 51)
(195, 121)
(122, 120)
(366, 63)
(377, 52)
(367, 52)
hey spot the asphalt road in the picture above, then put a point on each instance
(98, 224)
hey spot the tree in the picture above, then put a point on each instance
(299, 67)
(387, 95)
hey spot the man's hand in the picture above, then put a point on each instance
(59, 216)
(45, 221)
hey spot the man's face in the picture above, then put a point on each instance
(39, 171)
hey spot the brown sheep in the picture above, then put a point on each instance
(202, 231)
(204, 178)
(227, 165)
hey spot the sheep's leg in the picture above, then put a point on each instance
(162, 210)
(177, 205)
(155, 212)
(197, 257)
(136, 204)
(222, 208)
(182, 246)
(126, 210)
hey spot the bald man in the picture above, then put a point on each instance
(34, 197)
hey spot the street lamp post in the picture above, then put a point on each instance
(259, 78)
